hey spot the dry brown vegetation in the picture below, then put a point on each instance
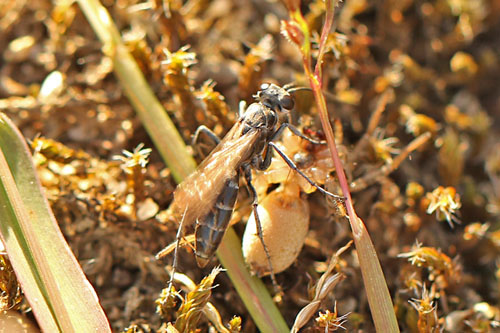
(413, 67)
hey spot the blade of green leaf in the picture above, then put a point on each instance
(61, 297)
(264, 312)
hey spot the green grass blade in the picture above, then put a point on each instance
(61, 297)
(250, 288)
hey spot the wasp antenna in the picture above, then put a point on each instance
(290, 88)
(330, 96)
(295, 89)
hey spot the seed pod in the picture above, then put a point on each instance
(284, 217)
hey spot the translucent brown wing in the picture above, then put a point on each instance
(196, 195)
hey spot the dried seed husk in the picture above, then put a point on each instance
(284, 216)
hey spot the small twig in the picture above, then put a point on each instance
(370, 178)
(372, 125)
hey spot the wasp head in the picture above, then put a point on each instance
(275, 97)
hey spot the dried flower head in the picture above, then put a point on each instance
(441, 268)
(427, 257)
(384, 148)
(235, 324)
(180, 60)
(191, 309)
(167, 301)
(414, 190)
(427, 311)
(445, 201)
(417, 123)
(476, 231)
(137, 157)
(215, 103)
(330, 321)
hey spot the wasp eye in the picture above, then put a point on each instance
(264, 86)
(287, 102)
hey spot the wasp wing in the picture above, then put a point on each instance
(196, 195)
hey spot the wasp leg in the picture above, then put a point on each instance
(178, 238)
(294, 167)
(202, 129)
(295, 131)
(248, 178)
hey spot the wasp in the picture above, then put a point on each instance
(207, 197)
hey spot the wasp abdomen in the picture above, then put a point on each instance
(211, 228)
